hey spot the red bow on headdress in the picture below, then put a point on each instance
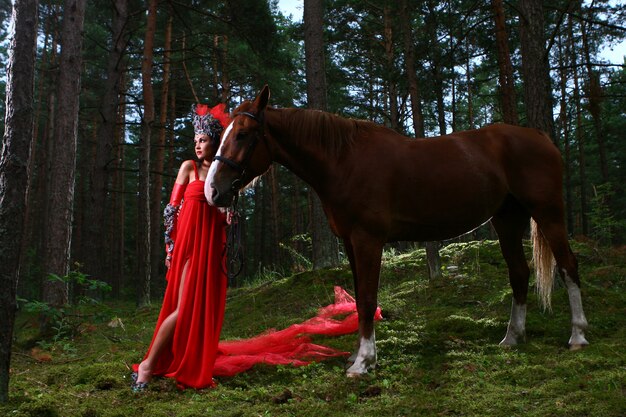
(219, 113)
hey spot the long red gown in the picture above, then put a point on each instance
(199, 242)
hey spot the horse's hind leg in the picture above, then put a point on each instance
(552, 228)
(510, 223)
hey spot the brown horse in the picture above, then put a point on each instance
(378, 186)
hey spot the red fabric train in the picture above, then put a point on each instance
(292, 345)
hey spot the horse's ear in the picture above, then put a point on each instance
(262, 99)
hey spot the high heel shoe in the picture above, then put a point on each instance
(135, 386)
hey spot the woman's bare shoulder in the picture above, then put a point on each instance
(184, 173)
(187, 165)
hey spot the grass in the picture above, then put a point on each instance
(437, 346)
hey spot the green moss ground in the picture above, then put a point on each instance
(437, 345)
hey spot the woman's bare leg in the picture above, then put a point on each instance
(163, 337)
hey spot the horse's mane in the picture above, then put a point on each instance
(331, 133)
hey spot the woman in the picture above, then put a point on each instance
(184, 345)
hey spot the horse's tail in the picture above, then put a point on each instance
(544, 262)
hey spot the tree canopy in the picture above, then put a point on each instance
(226, 51)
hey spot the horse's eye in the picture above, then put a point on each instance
(240, 136)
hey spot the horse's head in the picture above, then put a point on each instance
(243, 153)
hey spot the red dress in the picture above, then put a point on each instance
(200, 238)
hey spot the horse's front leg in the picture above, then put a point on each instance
(350, 253)
(365, 255)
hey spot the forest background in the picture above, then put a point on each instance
(96, 193)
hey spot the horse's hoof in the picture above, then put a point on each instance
(359, 370)
(355, 374)
(577, 346)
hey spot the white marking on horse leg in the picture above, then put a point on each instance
(365, 357)
(352, 357)
(516, 330)
(579, 322)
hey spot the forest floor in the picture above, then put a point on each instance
(437, 347)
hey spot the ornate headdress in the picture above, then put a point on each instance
(209, 121)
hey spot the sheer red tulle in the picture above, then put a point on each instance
(292, 345)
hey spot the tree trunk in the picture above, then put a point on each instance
(225, 75)
(18, 130)
(48, 142)
(32, 239)
(220, 71)
(452, 70)
(409, 62)
(432, 248)
(508, 97)
(453, 121)
(274, 229)
(565, 136)
(170, 138)
(85, 160)
(325, 247)
(266, 257)
(116, 224)
(595, 97)
(143, 206)
(159, 156)
(394, 119)
(580, 137)
(256, 244)
(98, 194)
(298, 218)
(436, 66)
(582, 170)
(58, 229)
(470, 96)
(535, 67)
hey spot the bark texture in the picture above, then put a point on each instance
(535, 67)
(325, 247)
(13, 170)
(58, 229)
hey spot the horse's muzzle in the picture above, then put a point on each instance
(220, 199)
